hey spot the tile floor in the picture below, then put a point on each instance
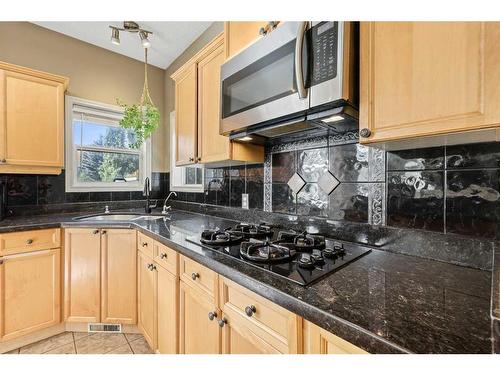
(88, 343)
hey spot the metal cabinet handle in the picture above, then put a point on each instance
(163, 256)
(299, 76)
(29, 241)
(198, 159)
(95, 231)
(222, 322)
(365, 133)
(3, 161)
(212, 315)
(191, 159)
(144, 244)
(250, 310)
(104, 232)
(195, 275)
(1, 262)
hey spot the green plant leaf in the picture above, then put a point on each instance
(143, 121)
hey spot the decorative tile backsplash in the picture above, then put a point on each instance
(454, 189)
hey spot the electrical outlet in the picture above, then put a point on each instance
(244, 201)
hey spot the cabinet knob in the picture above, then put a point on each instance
(163, 256)
(1, 262)
(3, 160)
(104, 231)
(95, 231)
(250, 310)
(144, 244)
(195, 275)
(191, 159)
(212, 315)
(29, 241)
(222, 322)
(365, 133)
(198, 159)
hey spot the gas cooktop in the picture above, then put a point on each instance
(300, 257)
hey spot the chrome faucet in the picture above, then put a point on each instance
(165, 207)
(146, 193)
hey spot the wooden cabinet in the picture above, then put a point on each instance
(100, 275)
(118, 281)
(428, 79)
(30, 240)
(197, 106)
(319, 341)
(147, 295)
(31, 102)
(82, 275)
(197, 333)
(167, 311)
(30, 293)
(240, 34)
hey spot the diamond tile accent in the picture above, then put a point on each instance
(296, 183)
(328, 182)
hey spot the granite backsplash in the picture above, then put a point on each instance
(453, 189)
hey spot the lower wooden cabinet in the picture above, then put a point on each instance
(167, 311)
(198, 334)
(30, 293)
(146, 278)
(100, 275)
(319, 341)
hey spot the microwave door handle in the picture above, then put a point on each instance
(299, 76)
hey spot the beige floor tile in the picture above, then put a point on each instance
(81, 335)
(124, 349)
(44, 346)
(133, 336)
(65, 349)
(100, 343)
(15, 351)
(140, 346)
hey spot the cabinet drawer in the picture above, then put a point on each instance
(198, 276)
(145, 244)
(22, 242)
(166, 257)
(279, 323)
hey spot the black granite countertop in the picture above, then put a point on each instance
(384, 302)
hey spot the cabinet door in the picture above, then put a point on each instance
(428, 78)
(82, 276)
(30, 297)
(32, 121)
(211, 146)
(197, 334)
(147, 281)
(319, 341)
(119, 281)
(167, 311)
(186, 116)
(239, 336)
(240, 34)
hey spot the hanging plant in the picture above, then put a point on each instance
(143, 118)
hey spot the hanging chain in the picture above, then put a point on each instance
(146, 97)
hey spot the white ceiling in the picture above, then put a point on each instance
(168, 41)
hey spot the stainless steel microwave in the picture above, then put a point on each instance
(300, 68)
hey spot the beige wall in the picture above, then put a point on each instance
(215, 29)
(95, 73)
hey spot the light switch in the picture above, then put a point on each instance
(244, 201)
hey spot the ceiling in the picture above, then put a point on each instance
(168, 41)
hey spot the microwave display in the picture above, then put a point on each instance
(324, 52)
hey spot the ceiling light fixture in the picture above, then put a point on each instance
(115, 36)
(131, 27)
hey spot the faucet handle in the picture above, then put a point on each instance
(106, 209)
(155, 204)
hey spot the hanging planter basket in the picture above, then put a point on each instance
(143, 118)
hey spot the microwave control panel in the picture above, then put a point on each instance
(324, 41)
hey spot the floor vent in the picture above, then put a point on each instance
(97, 327)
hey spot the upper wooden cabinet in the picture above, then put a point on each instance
(197, 107)
(31, 120)
(240, 34)
(422, 79)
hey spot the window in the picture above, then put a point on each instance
(99, 156)
(183, 178)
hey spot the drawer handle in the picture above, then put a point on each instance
(144, 244)
(195, 275)
(222, 322)
(29, 241)
(95, 231)
(104, 232)
(151, 267)
(163, 256)
(250, 310)
(212, 315)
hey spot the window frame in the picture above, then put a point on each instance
(178, 174)
(115, 112)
